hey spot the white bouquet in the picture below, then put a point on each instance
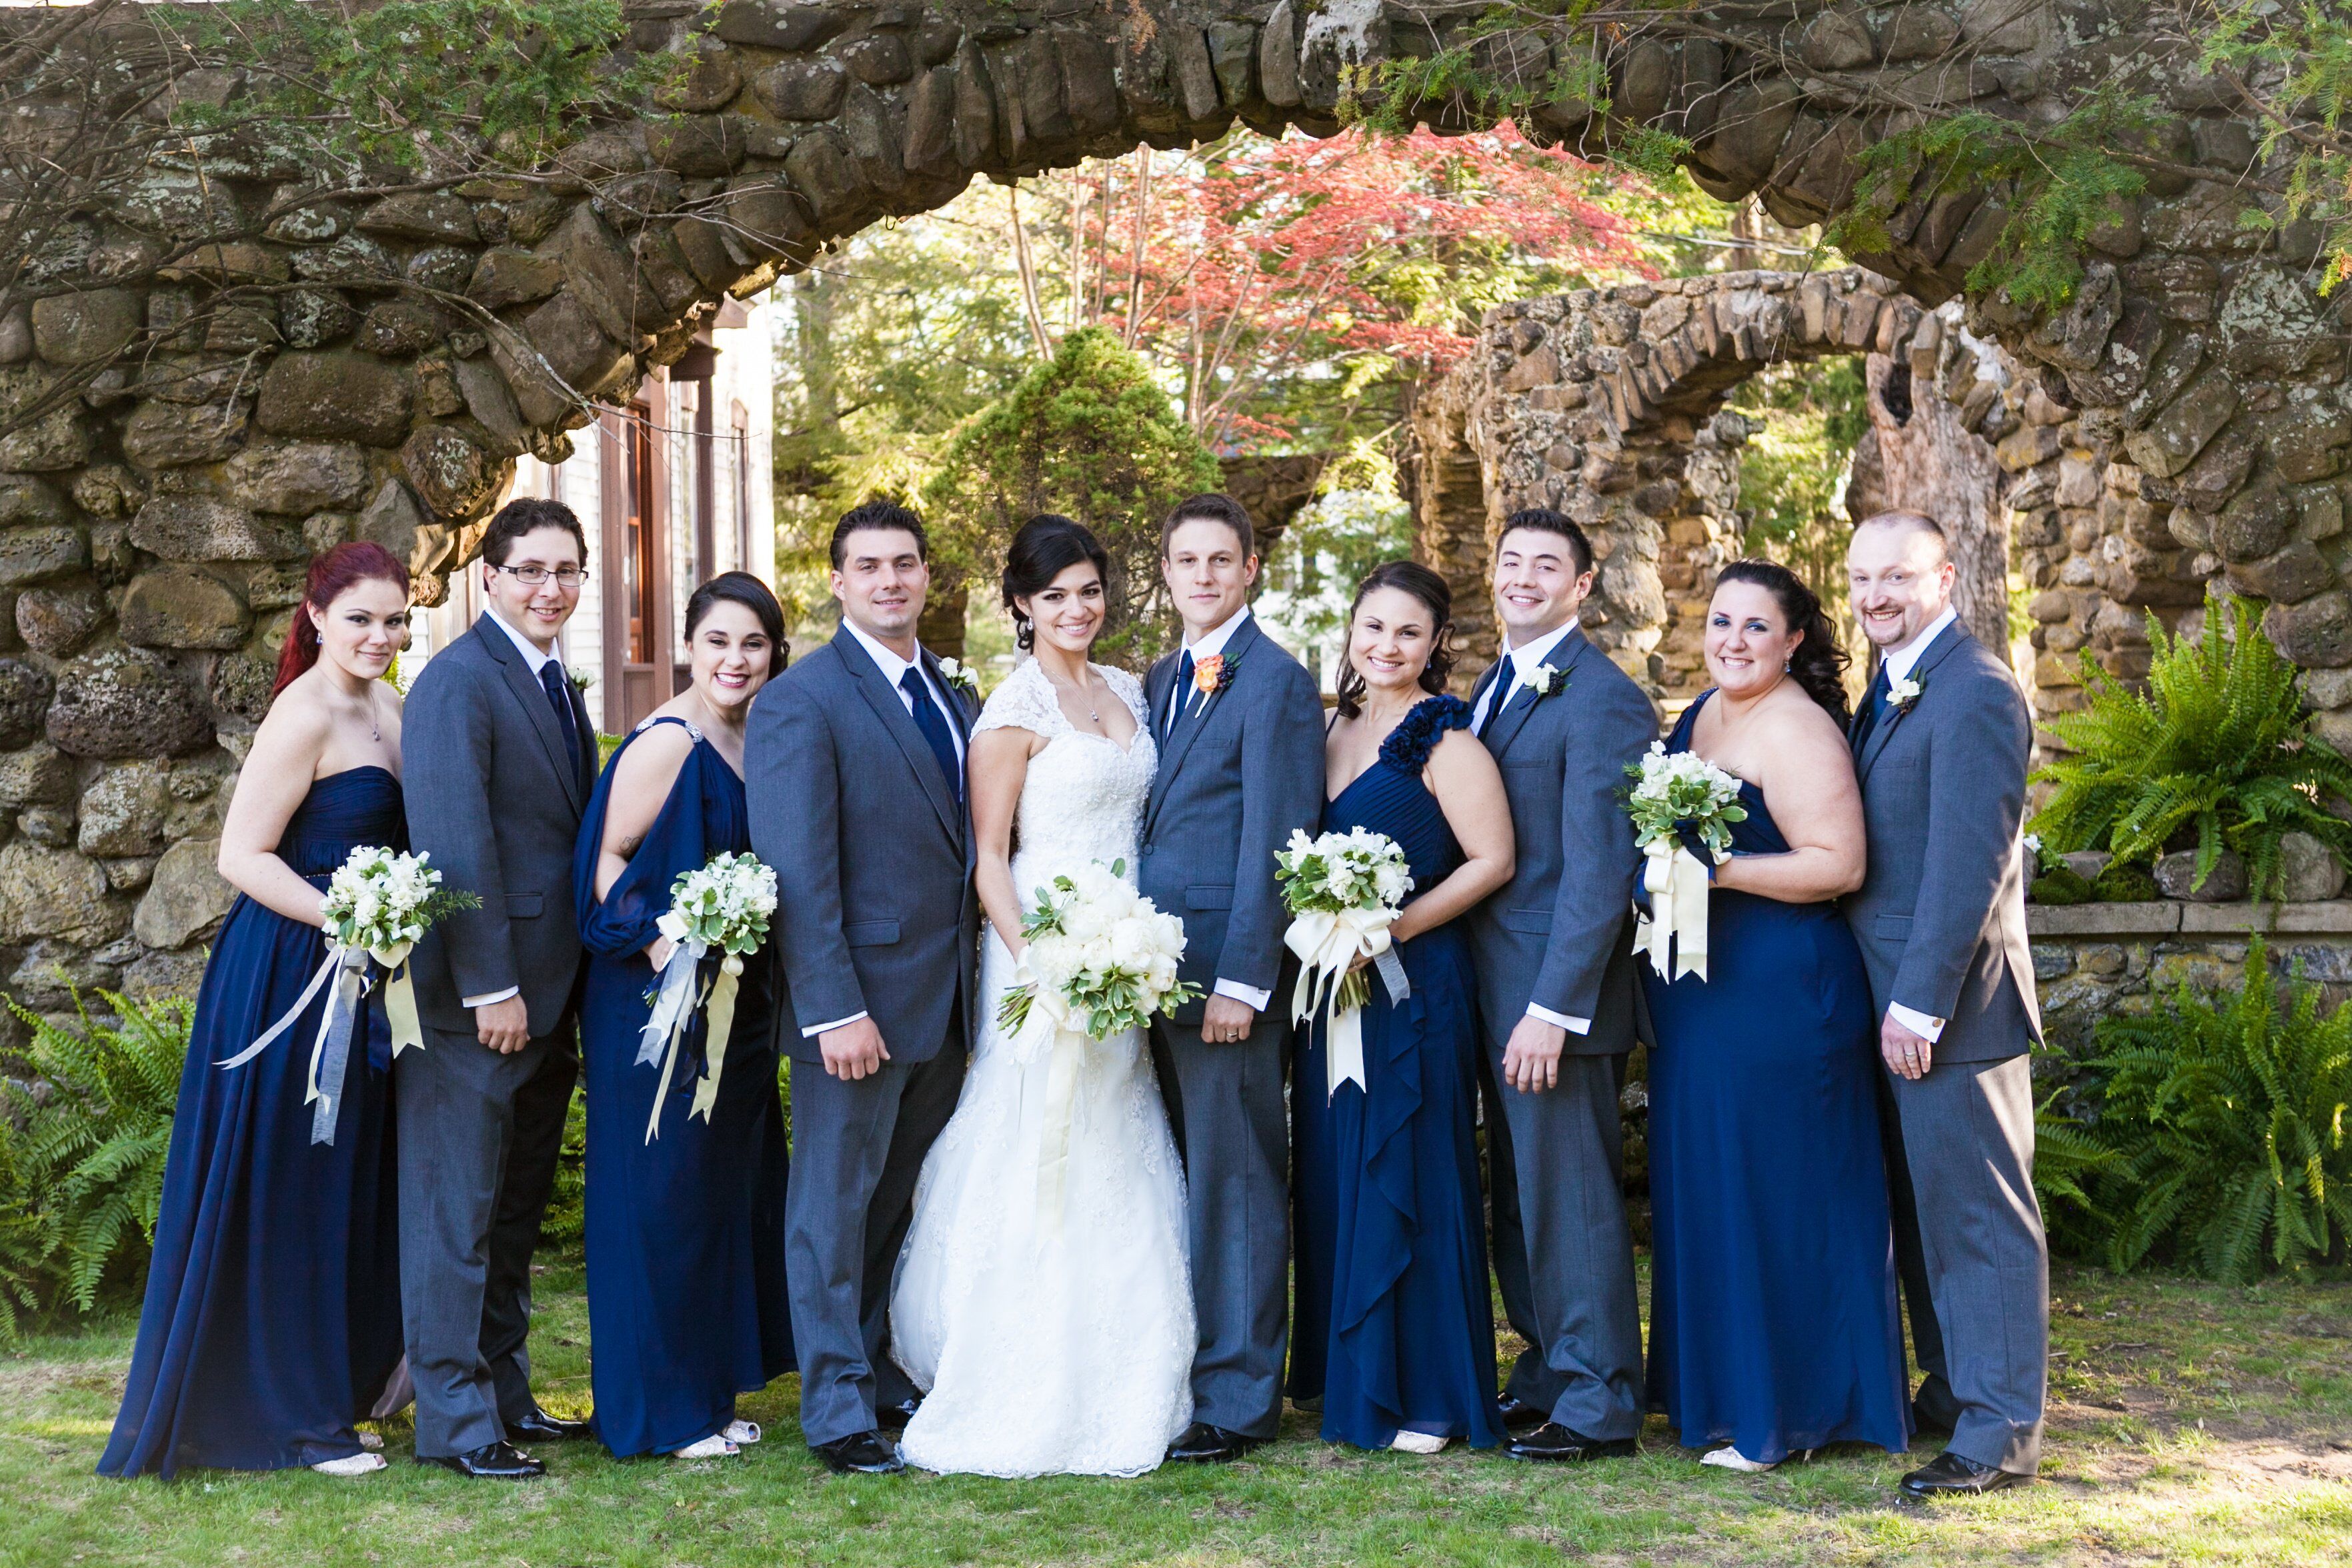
(379, 904)
(1671, 790)
(1343, 891)
(722, 906)
(1101, 959)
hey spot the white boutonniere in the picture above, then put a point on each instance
(580, 678)
(956, 673)
(1541, 679)
(1902, 693)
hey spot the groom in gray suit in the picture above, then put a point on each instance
(1940, 746)
(853, 764)
(1240, 728)
(498, 758)
(1555, 998)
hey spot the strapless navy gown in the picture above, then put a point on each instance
(1772, 1316)
(1394, 1328)
(272, 1317)
(685, 1235)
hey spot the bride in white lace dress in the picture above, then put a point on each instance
(1043, 1300)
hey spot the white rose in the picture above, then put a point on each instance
(1130, 942)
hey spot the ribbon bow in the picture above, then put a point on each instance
(676, 998)
(1677, 883)
(1327, 943)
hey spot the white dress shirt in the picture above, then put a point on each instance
(894, 669)
(538, 660)
(1211, 643)
(1490, 701)
(1898, 663)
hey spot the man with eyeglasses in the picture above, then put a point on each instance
(498, 758)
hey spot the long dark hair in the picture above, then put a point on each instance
(1047, 546)
(1819, 663)
(362, 560)
(1425, 585)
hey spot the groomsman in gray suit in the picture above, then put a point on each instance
(498, 758)
(1941, 747)
(1555, 998)
(1240, 727)
(854, 763)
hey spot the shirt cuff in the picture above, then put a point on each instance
(815, 1030)
(1241, 993)
(491, 999)
(1919, 1023)
(1573, 1025)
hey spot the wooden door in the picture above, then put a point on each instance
(638, 656)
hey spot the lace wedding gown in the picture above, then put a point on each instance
(1044, 1300)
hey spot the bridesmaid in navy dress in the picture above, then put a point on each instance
(686, 1264)
(1395, 1331)
(272, 1314)
(1772, 1319)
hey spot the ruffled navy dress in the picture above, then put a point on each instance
(1395, 1327)
(1772, 1317)
(272, 1315)
(686, 1234)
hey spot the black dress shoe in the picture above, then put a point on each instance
(1554, 1444)
(538, 1427)
(1949, 1475)
(894, 1417)
(490, 1462)
(860, 1453)
(1518, 1415)
(1202, 1443)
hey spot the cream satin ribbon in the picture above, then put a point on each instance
(1677, 883)
(399, 997)
(719, 1010)
(1050, 1030)
(330, 1049)
(1327, 946)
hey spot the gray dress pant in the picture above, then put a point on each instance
(1226, 1113)
(479, 1133)
(1969, 1245)
(1563, 1252)
(857, 1149)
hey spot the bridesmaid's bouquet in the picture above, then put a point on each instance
(1343, 891)
(1671, 790)
(1101, 958)
(722, 906)
(379, 906)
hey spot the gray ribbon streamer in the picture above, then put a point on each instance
(331, 1056)
(1392, 970)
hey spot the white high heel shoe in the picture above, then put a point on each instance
(360, 1464)
(1417, 1443)
(715, 1447)
(741, 1432)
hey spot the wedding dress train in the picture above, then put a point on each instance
(1042, 1299)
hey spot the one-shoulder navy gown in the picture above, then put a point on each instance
(1395, 1329)
(272, 1316)
(686, 1234)
(1772, 1316)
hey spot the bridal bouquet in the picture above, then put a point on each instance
(1343, 891)
(720, 907)
(1672, 789)
(379, 904)
(1100, 958)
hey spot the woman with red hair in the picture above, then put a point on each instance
(272, 1317)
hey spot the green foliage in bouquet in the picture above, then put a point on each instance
(2230, 1125)
(81, 1157)
(2219, 743)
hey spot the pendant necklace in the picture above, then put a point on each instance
(1086, 697)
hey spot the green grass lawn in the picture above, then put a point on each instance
(2189, 1423)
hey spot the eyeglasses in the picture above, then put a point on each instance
(533, 576)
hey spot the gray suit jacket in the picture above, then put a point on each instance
(1557, 934)
(873, 855)
(1244, 772)
(1941, 914)
(493, 797)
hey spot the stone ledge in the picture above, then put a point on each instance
(2166, 918)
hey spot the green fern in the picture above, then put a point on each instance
(90, 1151)
(2070, 1167)
(2230, 1122)
(2219, 744)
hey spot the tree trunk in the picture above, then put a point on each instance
(1929, 461)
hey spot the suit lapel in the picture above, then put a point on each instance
(533, 697)
(1190, 726)
(1884, 730)
(1519, 703)
(891, 709)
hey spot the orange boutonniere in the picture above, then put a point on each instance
(1214, 674)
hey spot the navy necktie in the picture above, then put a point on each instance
(934, 726)
(1867, 719)
(559, 692)
(1182, 693)
(1499, 693)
